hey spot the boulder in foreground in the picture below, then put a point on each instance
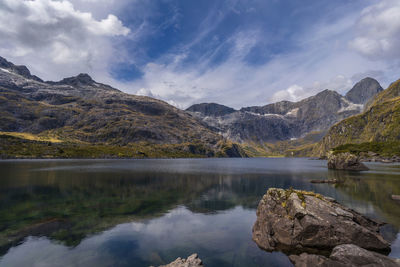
(345, 161)
(295, 221)
(345, 255)
(192, 261)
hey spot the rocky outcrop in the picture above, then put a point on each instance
(329, 181)
(375, 157)
(364, 90)
(296, 221)
(345, 161)
(192, 261)
(345, 255)
(211, 109)
(20, 70)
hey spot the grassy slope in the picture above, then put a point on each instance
(384, 149)
(298, 148)
(26, 145)
(379, 124)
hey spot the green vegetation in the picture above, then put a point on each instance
(301, 147)
(385, 149)
(24, 145)
(301, 195)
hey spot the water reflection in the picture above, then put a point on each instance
(141, 212)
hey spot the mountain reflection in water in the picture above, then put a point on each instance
(149, 212)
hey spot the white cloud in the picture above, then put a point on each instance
(322, 60)
(62, 38)
(293, 93)
(145, 92)
(378, 31)
(56, 40)
(325, 63)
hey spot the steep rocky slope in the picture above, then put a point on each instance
(287, 120)
(380, 122)
(211, 109)
(78, 109)
(363, 91)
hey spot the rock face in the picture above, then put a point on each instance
(211, 109)
(363, 91)
(192, 261)
(345, 161)
(285, 120)
(345, 255)
(295, 221)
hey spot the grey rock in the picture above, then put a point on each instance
(83, 79)
(211, 109)
(345, 255)
(20, 70)
(192, 261)
(364, 90)
(329, 181)
(295, 221)
(345, 161)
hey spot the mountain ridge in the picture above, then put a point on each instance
(380, 122)
(81, 111)
(285, 120)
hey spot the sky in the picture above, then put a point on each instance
(233, 52)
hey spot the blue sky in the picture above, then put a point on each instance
(234, 52)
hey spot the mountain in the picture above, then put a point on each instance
(286, 120)
(211, 109)
(379, 123)
(363, 91)
(80, 110)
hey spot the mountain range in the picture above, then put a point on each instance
(287, 120)
(79, 117)
(81, 111)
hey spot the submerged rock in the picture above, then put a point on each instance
(345, 255)
(296, 221)
(345, 161)
(192, 261)
(329, 181)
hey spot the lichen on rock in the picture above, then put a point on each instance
(345, 255)
(192, 261)
(295, 221)
(345, 161)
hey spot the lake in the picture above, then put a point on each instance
(149, 212)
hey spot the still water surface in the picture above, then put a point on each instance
(149, 212)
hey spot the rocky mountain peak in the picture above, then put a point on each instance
(20, 70)
(5, 64)
(211, 109)
(364, 90)
(81, 80)
(327, 93)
